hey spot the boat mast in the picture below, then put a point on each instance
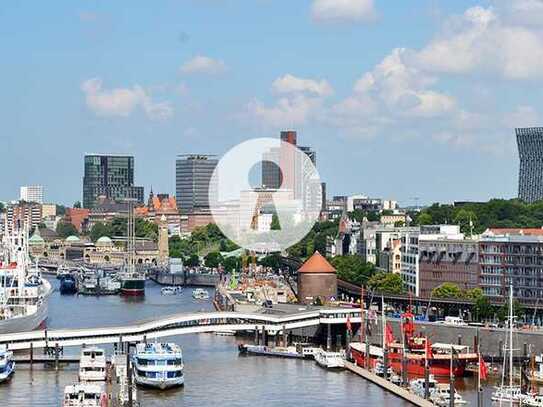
(383, 321)
(511, 338)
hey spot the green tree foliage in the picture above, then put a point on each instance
(448, 290)
(465, 218)
(101, 229)
(494, 213)
(353, 269)
(213, 259)
(275, 225)
(66, 229)
(2, 207)
(317, 236)
(359, 215)
(232, 263)
(273, 261)
(77, 204)
(503, 311)
(61, 210)
(192, 261)
(482, 309)
(387, 283)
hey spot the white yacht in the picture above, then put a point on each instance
(441, 396)
(92, 365)
(85, 395)
(330, 360)
(417, 386)
(533, 401)
(23, 290)
(505, 394)
(200, 294)
(158, 365)
(7, 364)
(170, 290)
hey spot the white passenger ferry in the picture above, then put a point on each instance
(158, 365)
(92, 365)
(85, 395)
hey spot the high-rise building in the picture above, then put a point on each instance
(193, 181)
(111, 176)
(530, 149)
(20, 215)
(31, 193)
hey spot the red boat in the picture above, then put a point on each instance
(418, 349)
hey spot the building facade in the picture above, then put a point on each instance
(513, 257)
(110, 176)
(530, 149)
(194, 183)
(22, 214)
(442, 259)
(32, 193)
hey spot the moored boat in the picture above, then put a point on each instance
(277, 351)
(68, 284)
(200, 294)
(158, 365)
(132, 284)
(7, 364)
(330, 360)
(92, 365)
(85, 395)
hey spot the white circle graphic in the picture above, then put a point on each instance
(273, 217)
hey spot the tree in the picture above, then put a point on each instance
(466, 219)
(61, 210)
(66, 229)
(482, 308)
(100, 229)
(387, 283)
(353, 269)
(192, 261)
(424, 219)
(42, 225)
(2, 207)
(77, 204)
(503, 311)
(275, 225)
(273, 261)
(447, 290)
(232, 263)
(213, 259)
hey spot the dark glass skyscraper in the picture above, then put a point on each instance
(193, 182)
(111, 176)
(530, 149)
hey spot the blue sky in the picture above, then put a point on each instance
(400, 99)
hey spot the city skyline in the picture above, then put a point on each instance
(362, 91)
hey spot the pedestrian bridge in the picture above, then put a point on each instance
(179, 324)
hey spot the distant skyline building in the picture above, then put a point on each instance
(111, 176)
(271, 172)
(530, 149)
(31, 193)
(193, 181)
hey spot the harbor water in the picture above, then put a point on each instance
(214, 372)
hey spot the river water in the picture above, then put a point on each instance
(214, 373)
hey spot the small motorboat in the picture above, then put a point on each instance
(330, 360)
(7, 364)
(441, 396)
(200, 294)
(92, 365)
(533, 401)
(168, 290)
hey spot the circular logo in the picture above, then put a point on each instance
(280, 212)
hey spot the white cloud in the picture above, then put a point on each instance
(122, 101)
(343, 10)
(485, 40)
(203, 65)
(291, 84)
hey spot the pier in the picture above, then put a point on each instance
(180, 324)
(388, 386)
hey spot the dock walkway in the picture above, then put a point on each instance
(390, 387)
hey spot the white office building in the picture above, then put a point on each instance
(32, 193)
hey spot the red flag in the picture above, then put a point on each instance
(428, 349)
(349, 326)
(483, 370)
(389, 336)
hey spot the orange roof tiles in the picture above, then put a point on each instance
(316, 264)
(517, 231)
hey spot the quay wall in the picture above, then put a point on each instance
(185, 279)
